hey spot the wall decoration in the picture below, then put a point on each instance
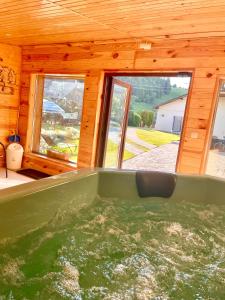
(7, 80)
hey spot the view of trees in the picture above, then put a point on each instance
(117, 110)
(148, 92)
(68, 94)
(151, 90)
(141, 119)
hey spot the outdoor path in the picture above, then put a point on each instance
(129, 147)
(216, 163)
(131, 134)
(161, 158)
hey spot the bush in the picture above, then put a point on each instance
(134, 119)
(147, 118)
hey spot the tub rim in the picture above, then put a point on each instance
(32, 187)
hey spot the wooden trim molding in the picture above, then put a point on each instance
(211, 122)
(185, 120)
(32, 158)
(47, 165)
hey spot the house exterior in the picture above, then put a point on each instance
(169, 116)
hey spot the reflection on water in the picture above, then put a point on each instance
(119, 249)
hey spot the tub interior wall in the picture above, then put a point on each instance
(19, 215)
(28, 212)
(188, 188)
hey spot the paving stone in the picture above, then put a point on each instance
(161, 158)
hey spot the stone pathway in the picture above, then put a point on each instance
(161, 158)
(216, 163)
(131, 134)
(129, 147)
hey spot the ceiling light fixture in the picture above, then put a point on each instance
(145, 45)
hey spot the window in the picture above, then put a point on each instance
(143, 121)
(57, 116)
(177, 124)
(216, 157)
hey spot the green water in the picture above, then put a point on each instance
(119, 249)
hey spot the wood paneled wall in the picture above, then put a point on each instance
(10, 57)
(203, 56)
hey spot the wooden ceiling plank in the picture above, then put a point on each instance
(121, 6)
(144, 15)
(42, 21)
(220, 19)
(31, 10)
(99, 13)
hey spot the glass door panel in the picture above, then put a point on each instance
(117, 123)
(216, 156)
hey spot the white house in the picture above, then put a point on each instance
(169, 117)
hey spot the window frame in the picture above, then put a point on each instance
(35, 113)
(107, 84)
(219, 81)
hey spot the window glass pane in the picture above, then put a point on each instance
(59, 130)
(216, 158)
(115, 126)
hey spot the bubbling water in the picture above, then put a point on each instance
(120, 249)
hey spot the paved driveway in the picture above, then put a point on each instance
(216, 163)
(161, 158)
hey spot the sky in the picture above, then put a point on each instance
(180, 81)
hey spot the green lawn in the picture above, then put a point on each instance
(72, 150)
(155, 137)
(111, 151)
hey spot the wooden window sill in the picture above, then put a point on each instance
(48, 165)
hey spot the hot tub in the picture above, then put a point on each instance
(89, 235)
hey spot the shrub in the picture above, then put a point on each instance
(147, 118)
(134, 119)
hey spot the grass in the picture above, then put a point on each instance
(111, 154)
(72, 150)
(67, 144)
(143, 148)
(155, 137)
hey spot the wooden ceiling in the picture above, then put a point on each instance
(27, 22)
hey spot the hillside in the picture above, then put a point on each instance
(139, 106)
(149, 91)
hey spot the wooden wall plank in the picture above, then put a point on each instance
(202, 56)
(46, 165)
(10, 56)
